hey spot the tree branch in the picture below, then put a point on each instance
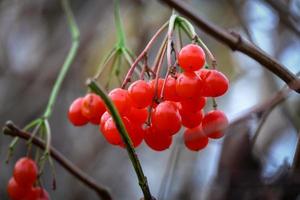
(285, 15)
(238, 43)
(11, 130)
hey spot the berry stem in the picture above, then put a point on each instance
(69, 59)
(119, 25)
(104, 62)
(123, 132)
(141, 56)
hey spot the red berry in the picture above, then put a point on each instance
(214, 124)
(157, 90)
(121, 100)
(92, 108)
(15, 191)
(75, 115)
(157, 140)
(137, 116)
(166, 117)
(103, 119)
(111, 133)
(141, 94)
(215, 83)
(191, 57)
(25, 172)
(195, 139)
(191, 119)
(170, 89)
(188, 85)
(37, 193)
(136, 134)
(193, 104)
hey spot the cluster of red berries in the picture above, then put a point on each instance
(21, 185)
(154, 111)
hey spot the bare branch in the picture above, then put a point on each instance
(238, 43)
(11, 130)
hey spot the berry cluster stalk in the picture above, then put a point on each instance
(125, 137)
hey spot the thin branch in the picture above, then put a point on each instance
(285, 15)
(11, 130)
(238, 43)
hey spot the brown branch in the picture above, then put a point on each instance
(285, 15)
(236, 42)
(11, 130)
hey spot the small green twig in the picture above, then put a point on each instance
(126, 139)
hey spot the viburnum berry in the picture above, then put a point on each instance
(166, 117)
(188, 85)
(191, 119)
(157, 90)
(214, 124)
(111, 133)
(15, 190)
(138, 116)
(103, 119)
(157, 140)
(121, 99)
(37, 193)
(136, 134)
(25, 172)
(193, 104)
(170, 89)
(195, 139)
(191, 57)
(92, 108)
(140, 93)
(75, 115)
(215, 83)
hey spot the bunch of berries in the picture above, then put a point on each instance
(21, 185)
(156, 110)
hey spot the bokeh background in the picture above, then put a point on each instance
(34, 40)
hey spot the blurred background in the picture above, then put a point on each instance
(34, 41)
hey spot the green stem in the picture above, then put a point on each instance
(119, 25)
(68, 61)
(123, 132)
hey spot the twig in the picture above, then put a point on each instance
(11, 130)
(125, 137)
(285, 15)
(236, 42)
(296, 160)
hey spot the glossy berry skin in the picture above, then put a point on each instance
(170, 90)
(157, 90)
(103, 119)
(195, 139)
(191, 119)
(191, 58)
(92, 108)
(157, 140)
(37, 193)
(25, 172)
(75, 116)
(137, 116)
(214, 124)
(193, 104)
(215, 83)
(140, 93)
(188, 85)
(136, 134)
(15, 191)
(166, 117)
(111, 133)
(121, 99)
